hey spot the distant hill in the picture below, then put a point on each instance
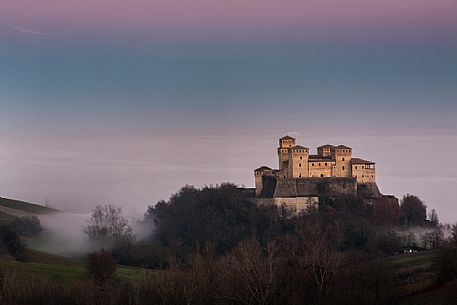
(10, 208)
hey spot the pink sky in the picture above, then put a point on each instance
(157, 15)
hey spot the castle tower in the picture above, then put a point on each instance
(326, 150)
(298, 162)
(258, 174)
(285, 143)
(343, 156)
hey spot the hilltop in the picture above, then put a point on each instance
(10, 208)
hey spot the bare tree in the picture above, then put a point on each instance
(324, 260)
(432, 239)
(248, 275)
(107, 223)
(433, 216)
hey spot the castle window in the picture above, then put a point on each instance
(325, 164)
(342, 167)
(319, 164)
(301, 158)
(299, 165)
(322, 175)
(363, 167)
(312, 164)
(299, 176)
(342, 159)
(356, 167)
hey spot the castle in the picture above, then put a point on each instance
(302, 178)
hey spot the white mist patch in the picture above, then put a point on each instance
(62, 234)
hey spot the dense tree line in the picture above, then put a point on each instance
(224, 216)
(214, 245)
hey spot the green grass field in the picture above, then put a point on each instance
(62, 268)
(415, 260)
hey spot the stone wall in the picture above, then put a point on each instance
(315, 187)
(368, 190)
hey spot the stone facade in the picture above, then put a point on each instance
(302, 174)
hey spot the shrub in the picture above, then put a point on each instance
(100, 265)
(12, 243)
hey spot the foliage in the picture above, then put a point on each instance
(433, 239)
(12, 242)
(433, 216)
(446, 262)
(100, 265)
(221, 215)
(27, 226)
(385, 212)
(414, 211)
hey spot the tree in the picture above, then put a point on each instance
(107, 224)
(385, 212)
(433, 216)
(249, 274)
(221, 215)
(12, 242)
(100, 265)
(432, 239)
(414, 211)
(454, 234)
(27, 225)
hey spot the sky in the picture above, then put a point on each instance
(124, 102)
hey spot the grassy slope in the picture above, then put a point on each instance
(61, 268)
(443, 295)
(415, 273)
(25, 206)
(5, 218)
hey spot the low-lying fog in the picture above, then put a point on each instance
(76, 172)
(63, 234)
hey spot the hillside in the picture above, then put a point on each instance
(61, 269)
(10, 208)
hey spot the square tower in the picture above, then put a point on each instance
(298, 162)
(285, 143)
(343, 156)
